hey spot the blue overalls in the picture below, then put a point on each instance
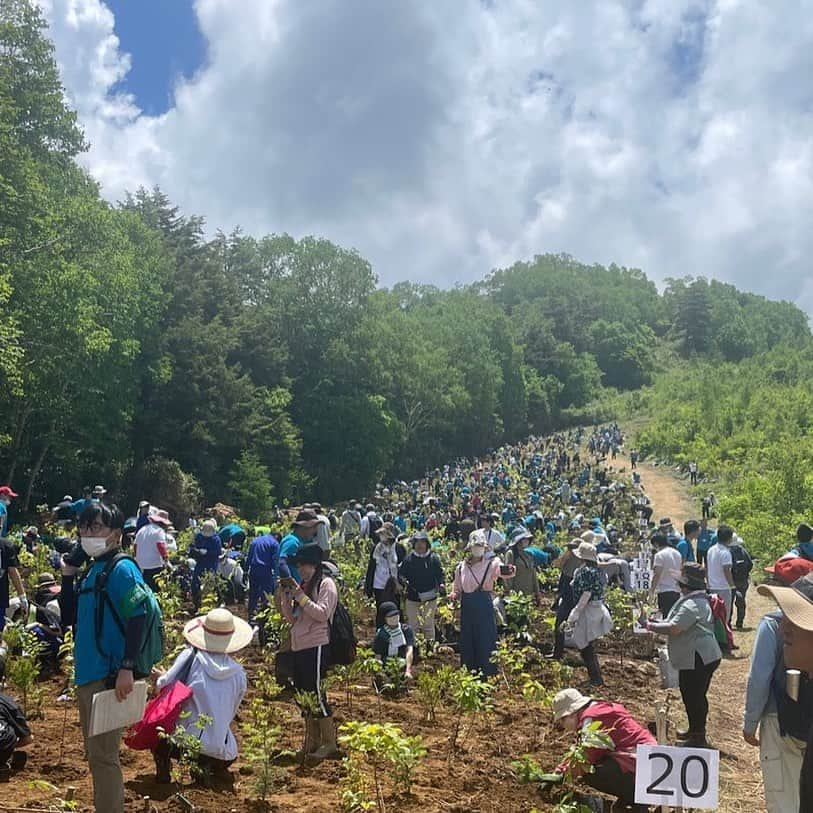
(478, 629)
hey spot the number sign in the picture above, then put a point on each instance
(678, 777)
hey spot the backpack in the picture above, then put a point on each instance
(151, 650)
(343, 640)
(742, 564)
(374, 523)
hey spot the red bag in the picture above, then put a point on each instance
(160, 714)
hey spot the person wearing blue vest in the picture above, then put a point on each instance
(106, 660)
(302, 532)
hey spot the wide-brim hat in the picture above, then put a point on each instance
(46, 580)
(568, 701)
(387, 531)
(796, 601)
(520, 534)
(420, 536)
(99, 490)
(218, 631)
(307, 518)
(587, 552)
(161, 517)
(307, 555)
(692, 576)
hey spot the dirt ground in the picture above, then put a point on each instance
(476, 779)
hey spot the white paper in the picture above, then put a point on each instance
(678, 777)
(107, 713)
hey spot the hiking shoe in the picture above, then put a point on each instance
(18, 760)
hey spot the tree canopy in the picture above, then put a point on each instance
(145, 352)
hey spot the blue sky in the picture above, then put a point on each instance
(445, 139)
(164, 43)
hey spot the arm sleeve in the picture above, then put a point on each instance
(325, 605)
(764, 657)
(437, 569)
(177, 667)
(133, 635)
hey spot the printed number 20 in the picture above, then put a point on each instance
(684, 768)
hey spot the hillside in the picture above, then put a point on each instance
(142, 353)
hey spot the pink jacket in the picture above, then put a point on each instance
(310, 626)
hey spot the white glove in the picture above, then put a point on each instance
(24, 604)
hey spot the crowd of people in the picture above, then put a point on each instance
(561, 510)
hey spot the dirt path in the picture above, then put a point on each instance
(740, 776)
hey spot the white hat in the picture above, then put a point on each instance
(567, 701)
(587, 552)
(209, 527)
(218, 631)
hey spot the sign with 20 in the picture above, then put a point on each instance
(678, 777)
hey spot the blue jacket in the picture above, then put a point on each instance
(262, 561)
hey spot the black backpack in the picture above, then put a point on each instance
(374, 523)
(343, 642)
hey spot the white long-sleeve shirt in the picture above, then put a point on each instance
(218, 684)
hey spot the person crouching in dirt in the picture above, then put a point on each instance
(394, 639)
(14, 734)
(218, 684)
(614, 766)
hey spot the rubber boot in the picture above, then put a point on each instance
(593, 669)
(696, 739)
(328, 748)
(312, 738)
(162, 766)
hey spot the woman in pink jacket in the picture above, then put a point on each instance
(309, 608)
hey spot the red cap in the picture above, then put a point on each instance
(5, 491)
(790, 568)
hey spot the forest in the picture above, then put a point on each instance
(146, 350)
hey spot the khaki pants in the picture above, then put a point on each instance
(421, 617)
(781, 761)
(102, 754)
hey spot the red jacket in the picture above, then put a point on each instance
(622, 728)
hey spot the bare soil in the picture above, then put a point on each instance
(477, 778)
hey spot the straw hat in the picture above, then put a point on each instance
(218, 631)
(587, 552)
(567, 701)
(796, 601)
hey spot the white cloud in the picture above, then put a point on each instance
(445, 139)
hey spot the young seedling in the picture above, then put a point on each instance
(376, 747)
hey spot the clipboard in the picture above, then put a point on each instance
(109, 714)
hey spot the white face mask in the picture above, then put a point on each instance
(94, 546)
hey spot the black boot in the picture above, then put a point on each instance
(593, 668)
(162, 764)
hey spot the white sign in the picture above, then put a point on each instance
(677, 777)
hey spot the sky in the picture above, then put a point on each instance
(445, 139)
